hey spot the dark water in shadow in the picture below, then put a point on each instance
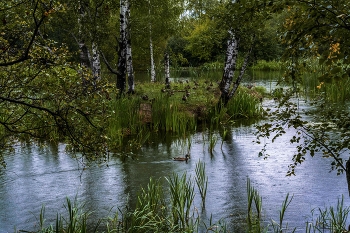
(36, 177)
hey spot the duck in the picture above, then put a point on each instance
(187, 156)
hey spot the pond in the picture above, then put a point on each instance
(46, 176)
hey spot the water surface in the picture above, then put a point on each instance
(46, 176)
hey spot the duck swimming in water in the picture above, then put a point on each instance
(182, 158)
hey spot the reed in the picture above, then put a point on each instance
(244, 105)
(74, 222)
(152, 198)
(213, 139)
(167, 116)
(278, 227)
(153, 214)
(330, 219)
(339, 216)
(254, 217)
(182, 196)
(158, 110)
(201, 181)
(330, 90)
(224, 136)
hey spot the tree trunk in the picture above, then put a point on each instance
(230, 67)
(121, 74)
(167, 69)
(240, 77)
(153, 69)
(129, 66)
(96, 64)
(84, 55)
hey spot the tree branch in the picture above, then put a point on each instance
(114, 71)
(25, 55)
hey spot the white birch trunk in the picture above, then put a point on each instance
(96, 64)
(121, 74)
(84, 54)
(230, 66)
(129, 65)
(153, 68)
(167, 69)
(240, 77)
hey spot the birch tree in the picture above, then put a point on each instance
(153, 68)
(155, 22)
(129, 63)
(167, 69)
(122, 51)
(87, 39)
(247, 17)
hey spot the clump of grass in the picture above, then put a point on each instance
(335, 91)
(253, 217)
(160, 110)
(182, 196)
(332, 219)
(329, 89)
(244, 105)
(153, 213)
(202, 181)
(261, 90)
(213, 139)
(75, 221)
(279, 227)
(224, 136)
(150, 212)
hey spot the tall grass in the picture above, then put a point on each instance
(182, 196)
(244, 105)
(279, 226)
(213, 139)
(154, 212)
(254, 217)
(330, 90)
(202, 181)
(74, 221)
(158, 110)
(168, 117)
(330, 219)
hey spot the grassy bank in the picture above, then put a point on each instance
(179, 110)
